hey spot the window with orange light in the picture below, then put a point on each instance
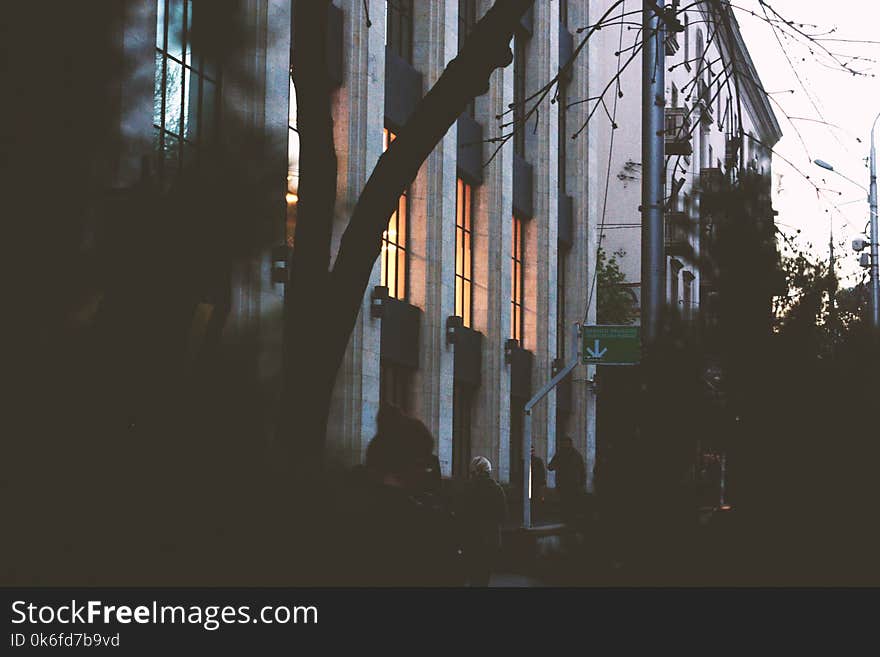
(393, 257)
(517, 280)
(464, 255)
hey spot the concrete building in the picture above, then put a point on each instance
(489, 260)
(483, 266)
(471, 305)
(718, 122)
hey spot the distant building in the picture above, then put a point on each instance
(719, 121)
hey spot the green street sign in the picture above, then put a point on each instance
(612, 345)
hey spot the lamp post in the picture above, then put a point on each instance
(872, 202)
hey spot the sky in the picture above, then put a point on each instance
(821, 93)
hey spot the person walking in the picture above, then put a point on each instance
(571, 479)
(539, 485)
(482, 510)
(388, 535)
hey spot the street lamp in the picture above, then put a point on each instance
(829, 167)
(872, 203)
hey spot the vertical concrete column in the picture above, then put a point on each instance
(359, 112)
(492, 241)
(275, 121)
(432, 236)
(243, 121)
(542, 143)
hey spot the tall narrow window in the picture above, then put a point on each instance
(519, 93)
(186, 86)
(292, 167)
(464, 255)
(562, 149)
(699, 53)
(563, 12)
(517, 278)
(462, 410)
(561, 258)
(688, 295)
(399, 27)
(467, 18)
(395, 383)
(674, 287)
(394, 255)
(687, 41)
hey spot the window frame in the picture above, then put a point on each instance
(467, 19)
(519, 92)
(399, 28)
(517, 281)
(400, 289)
(395, 386)
(463, 397)
(561, 262)
(687, 294)
(562, 145)
(464, 252)
(192, 66)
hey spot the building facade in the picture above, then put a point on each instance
(489, 260)
(482, 265)
(472, 303)
(719, 122)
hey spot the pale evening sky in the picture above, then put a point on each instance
(840, 98)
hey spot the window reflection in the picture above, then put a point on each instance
(517, 278)
(464, 252)
(186, 88)
(393, 254)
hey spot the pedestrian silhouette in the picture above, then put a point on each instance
(482, 509)
(389, 536)
(570, 471)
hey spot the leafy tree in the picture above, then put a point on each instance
(614, 302)
(815, 311)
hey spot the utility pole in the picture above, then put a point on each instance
(872, 200)
(653, 169)
(832, 302)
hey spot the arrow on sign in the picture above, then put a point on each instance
(595, 352)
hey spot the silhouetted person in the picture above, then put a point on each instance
(389, 536)
(539, 484)
(571, 478)
(539, 477)
(482, 511)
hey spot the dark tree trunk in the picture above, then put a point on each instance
(308, 378)
(322, 306)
